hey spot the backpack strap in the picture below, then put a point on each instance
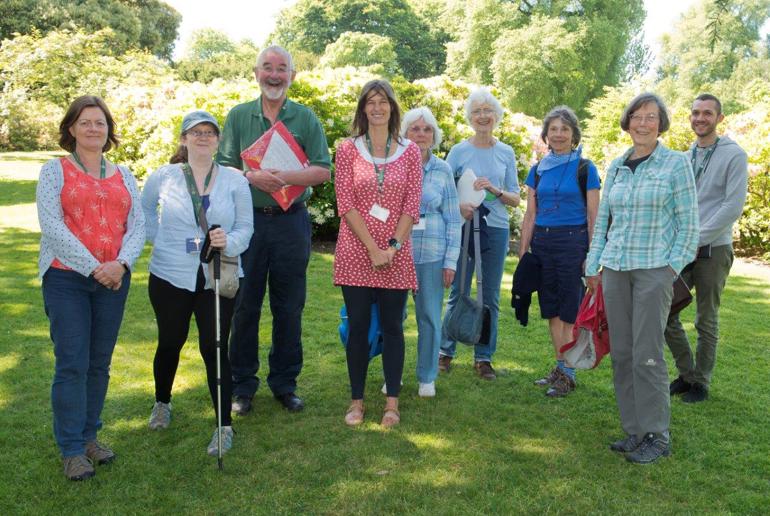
(582, 177)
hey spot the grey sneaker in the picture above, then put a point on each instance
(78, 467)
(161, 416)
(562, 385)
(549, 379)
(653, 447)
(98, 453)
(227, 441)
(627, 445)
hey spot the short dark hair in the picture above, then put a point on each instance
(566, 115)
(639, 101)
(361, 123)
(709, 96)
(67, 141)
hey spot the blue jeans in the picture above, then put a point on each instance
(85, 319)
(492, 265)
(428, 302)
(277, 257)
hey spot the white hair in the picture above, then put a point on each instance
(417, 113)
(277, 49)
(483, 96)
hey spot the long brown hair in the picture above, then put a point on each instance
(67, 141)
(361, 122)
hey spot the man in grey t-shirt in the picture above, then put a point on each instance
(721, 178)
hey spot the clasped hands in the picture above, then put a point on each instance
(110, 274)
(381, 258)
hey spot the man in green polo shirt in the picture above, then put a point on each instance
(279, 250)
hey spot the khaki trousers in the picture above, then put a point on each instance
(637, 304)
(708, 277)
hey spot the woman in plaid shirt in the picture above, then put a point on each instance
(646, 232)
(435, 243)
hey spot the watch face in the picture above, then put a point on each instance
(395, 244)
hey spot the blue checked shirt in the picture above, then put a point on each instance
(654, 215)
(440, 212)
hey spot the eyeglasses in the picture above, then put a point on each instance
(650, 118)
(482, 111)
(415, 129)
(202, 134)
(88, 124)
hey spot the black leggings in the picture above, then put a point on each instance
(173, 309)
(390, 303)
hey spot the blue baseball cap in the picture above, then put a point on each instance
(194, 118)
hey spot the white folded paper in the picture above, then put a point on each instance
(465, 191)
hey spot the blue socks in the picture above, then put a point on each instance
(569, 371)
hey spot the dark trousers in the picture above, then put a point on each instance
(173, 308)
(277, 258)
(390, 304)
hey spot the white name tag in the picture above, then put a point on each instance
(420, 226)
(379, 213)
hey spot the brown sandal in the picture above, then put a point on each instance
(355, 415)
(390, 417)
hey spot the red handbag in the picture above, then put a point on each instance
(590, 333)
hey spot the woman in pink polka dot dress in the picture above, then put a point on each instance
(378, 182)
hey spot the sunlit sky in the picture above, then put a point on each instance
(255, 20)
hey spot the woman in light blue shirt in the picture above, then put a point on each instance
(179, 285)
(435, 243)
(646, 232)
(494, 164)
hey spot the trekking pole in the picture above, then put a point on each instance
(217, 274)
(209, 253)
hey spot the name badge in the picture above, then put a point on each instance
(379, 213)
(193, 245)
(420, 226)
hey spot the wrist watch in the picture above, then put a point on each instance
(123, 263)
(395, 244)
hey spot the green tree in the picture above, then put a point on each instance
(359, 49)
(310, 25)
(139, 24)
(599, 34)
(211, 54)
(708, 44)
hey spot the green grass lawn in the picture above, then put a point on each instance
(478, 448)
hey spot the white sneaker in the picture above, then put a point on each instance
(227, 441)
(427, 390)
(385, 387)
(161, 416)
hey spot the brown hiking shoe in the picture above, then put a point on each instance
(444, 363)
(549, 379)
(561, 386)
(485, 370)
(99, 453)
(78, 467)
